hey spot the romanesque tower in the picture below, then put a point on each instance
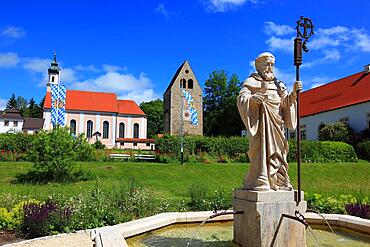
(184, 79)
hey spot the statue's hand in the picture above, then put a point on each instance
(297, 86)
(257, 98)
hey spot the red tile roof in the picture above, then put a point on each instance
(96, 102)
(129, 107)
(347, 91)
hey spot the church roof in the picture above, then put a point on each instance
(353, 89)
(96, 102)
(176, 75)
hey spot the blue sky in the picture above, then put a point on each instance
(133, 48)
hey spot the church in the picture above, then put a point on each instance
(100, 116)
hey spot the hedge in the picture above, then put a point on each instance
(363, 150)
(236, 147)
(14, 147)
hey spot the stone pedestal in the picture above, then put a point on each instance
(258, 225)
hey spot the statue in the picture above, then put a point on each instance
(265, 107)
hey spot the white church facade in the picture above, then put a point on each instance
(100, 116)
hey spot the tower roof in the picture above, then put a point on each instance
(54, 65)
(176, 75)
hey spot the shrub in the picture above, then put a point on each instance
(329, 204)
(14, 147)
(98, 145)
(202, 199)
(363, 150)
(339, 132)
(84, 151)
(359, 210)
(40, 219)
(322, 151)
(53, 154)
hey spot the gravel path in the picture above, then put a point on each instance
(80, 239)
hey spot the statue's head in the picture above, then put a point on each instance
(265, 66)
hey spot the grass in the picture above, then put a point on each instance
(173, 180)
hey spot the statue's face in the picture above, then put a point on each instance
(266, 69)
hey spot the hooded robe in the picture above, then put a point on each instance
(265, 123)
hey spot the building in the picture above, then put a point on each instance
(11, 121)
(346, 100)
(184, 78)
(100, 116)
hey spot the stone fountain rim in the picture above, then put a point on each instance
(104, 236)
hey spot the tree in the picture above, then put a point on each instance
(338, 131)
(221, 116)
(22, 104)
(12, 103)
(154, 113)
(32, 108)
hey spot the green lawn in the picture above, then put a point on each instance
(174, 180)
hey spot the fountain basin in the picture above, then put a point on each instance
(116, 235)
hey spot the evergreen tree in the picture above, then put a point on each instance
(39, 109)
(22, 104)
(32, 108)
(12, 103)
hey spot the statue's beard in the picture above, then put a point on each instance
(268, 75)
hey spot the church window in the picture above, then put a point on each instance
(303, 135)
(183, 83)
(292, 135)
(89, 131)
(190, 84)
(105, 130)
(52, 79)
(136, 130)
(72, 126)
(187, 71)
(121, 130)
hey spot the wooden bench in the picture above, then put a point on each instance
(119, 156)
(144, 157)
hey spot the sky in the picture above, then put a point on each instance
(133, 48)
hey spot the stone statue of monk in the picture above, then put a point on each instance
(265, 107)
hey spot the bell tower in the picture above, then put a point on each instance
(54, 73)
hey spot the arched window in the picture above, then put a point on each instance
(136, 130)
(105, 130)
(72, 126)
(190, 84)
(89, 131)
(121, 130)
(183, 83)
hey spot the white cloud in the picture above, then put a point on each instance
(126, 85)
(3, 103)
(215, 6)
(274, 29)
(13, 32)
(68, 75)
(141, 95)
(317, 81)
(161, 9)
(36, 65)
(330, 55)
(275, 43)
(88, 68)
(113, 68)
(9, 59)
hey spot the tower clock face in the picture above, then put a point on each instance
(187, 116)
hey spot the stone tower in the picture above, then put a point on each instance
(184, 78)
